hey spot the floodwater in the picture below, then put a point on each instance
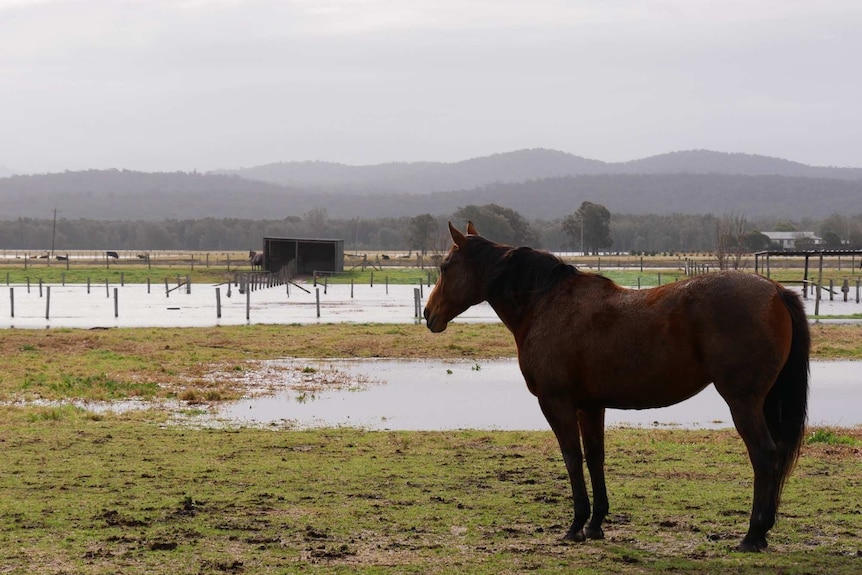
(137, 305)
(72, 306)
(445, 395)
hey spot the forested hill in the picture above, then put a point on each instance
(522, 166)
(127, 195)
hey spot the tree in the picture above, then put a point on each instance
(421, 232)
(756, 242)
(832, 241)
(316, 218)
(498, 223)
(589, 228)
(730, 233)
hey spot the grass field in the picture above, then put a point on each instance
(102, 494)
(85, 494)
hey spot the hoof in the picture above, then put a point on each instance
(575, 536)
(594, 533)
(752, 546)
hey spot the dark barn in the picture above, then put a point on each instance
(309, 255)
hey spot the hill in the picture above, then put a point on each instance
(533, 182)
(424, 177)
(522, 166)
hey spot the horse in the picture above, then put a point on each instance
(586, 344)
(256, 259)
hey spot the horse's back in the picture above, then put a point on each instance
(646, 348)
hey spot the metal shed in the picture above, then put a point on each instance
(309, 254)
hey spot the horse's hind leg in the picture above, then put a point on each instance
(563, 419)
(751, 423)
(592, 424)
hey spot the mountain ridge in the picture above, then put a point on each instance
(523, 165)
(544, 190)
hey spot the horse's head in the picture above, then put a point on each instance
(459, 285)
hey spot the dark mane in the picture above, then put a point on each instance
(520, 272)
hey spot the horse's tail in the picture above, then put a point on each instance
(786, 406)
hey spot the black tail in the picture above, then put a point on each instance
(786, 407)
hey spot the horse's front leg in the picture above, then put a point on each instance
(592, 424)
(563, 419)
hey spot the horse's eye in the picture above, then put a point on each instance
(443, 267)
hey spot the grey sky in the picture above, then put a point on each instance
(163, 85)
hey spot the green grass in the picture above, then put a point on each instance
(88, 495)
(382, 276)
(115, 275)
(829, 437)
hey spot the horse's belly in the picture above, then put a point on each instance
(650, 386)
(649, 398)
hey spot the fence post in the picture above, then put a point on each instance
(416, 305)
(831, 288)
(218, 301)
(107, 288)
(116, 302)
(12, 300)
(247, 304)
(817, 301)
(188, 284)
(317, 300)
(47, 302)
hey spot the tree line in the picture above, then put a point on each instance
(591, 228)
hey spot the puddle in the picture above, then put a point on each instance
(439, 395)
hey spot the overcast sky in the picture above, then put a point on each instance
(164, 85)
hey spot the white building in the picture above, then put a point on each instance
(787, 240)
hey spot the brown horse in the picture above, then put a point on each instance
(585, 344)
(256, 259)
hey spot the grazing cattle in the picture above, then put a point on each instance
(113, 255)
(62, 258)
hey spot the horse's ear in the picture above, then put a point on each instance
(457, 236)
(471, 229)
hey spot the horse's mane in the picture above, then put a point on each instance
(518, 272)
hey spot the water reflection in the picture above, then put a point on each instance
(444, 395)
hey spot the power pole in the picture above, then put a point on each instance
(53, 231)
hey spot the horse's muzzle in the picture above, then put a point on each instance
(431, 321)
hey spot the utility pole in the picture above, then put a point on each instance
(53, 232)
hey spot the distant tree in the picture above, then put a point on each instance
(804, 243)
(784, 226)
(317, 218)
(589, 227)
(756, 242)
(832, 241)
(498, 223)
(422, 229)
(730, 233)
